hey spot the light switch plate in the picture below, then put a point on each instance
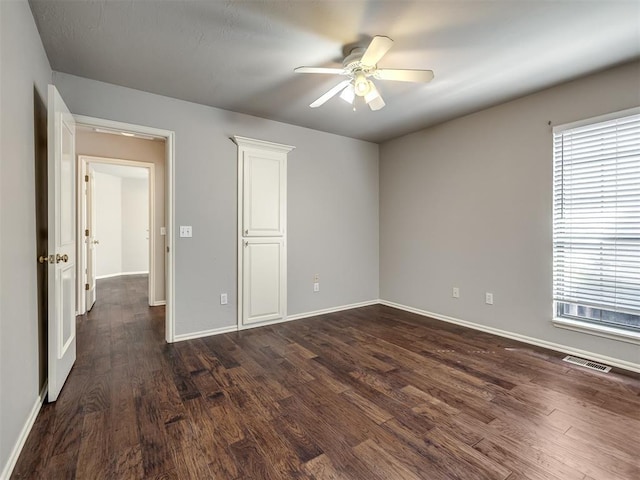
(185, 231)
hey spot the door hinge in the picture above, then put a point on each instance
(86, 232)
(86, 286)
(86, 178)
(167, 249)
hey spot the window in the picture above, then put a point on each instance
(596, 220)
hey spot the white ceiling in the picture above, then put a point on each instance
(122, 171)
(240, 55)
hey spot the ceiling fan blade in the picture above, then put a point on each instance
(400, 75)
(348, 94)
(330, 94)
(326, 70)
(376, 50)
(373, 98)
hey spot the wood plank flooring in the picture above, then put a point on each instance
(371, 393)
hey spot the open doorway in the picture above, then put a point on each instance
(117, 216)
(124, 210)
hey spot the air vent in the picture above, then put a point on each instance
(587, 363)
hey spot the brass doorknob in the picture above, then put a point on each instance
(43, 258)
(62, 258)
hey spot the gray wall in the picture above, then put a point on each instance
(24, 75)
(332, 202)
(468, 203)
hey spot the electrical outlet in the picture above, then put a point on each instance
(316, 287)
(223, 299)
(186, 231)
(316, 277)
(456, 292)
(488, 298)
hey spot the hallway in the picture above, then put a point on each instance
(91, 431)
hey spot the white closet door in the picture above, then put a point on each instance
(264, 279)
(264, 190)
(262, 231)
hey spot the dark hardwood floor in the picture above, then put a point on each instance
(371, 393)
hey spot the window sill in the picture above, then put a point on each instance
(599, 330)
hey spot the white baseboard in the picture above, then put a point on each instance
(300, 316)
(204, 333)
(615, 362)
(24, 433)
(290, 318)
(110, 275)
(315, 313)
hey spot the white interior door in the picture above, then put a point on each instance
(264, 278)
(61, 243)
(262, 253)
(91, 239)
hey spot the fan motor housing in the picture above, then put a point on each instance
(353, 65)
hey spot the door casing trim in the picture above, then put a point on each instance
(169, 137)
(83, 162)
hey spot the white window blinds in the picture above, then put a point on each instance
(596, 220)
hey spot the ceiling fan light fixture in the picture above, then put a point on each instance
(372, 93)
(348, 94)
(373, 98)
(360, 65)
(361, 85)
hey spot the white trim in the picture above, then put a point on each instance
(170, 138)
(634, 367)
(159, 303)
(261, 144)
(324, 311)
(605, 331)
(81, 218)
(111, 275)
(204, 333)
(600, 118)
(169, 199)
(85, 161)
(24, 433)
(249, 326)
(291, 318)
(300, 316)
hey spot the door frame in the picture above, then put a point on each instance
(169, 137)
(83, 163)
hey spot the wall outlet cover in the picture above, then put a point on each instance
(488, 298)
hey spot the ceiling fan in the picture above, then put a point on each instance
(361, 67)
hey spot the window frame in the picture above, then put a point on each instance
(632, 334)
